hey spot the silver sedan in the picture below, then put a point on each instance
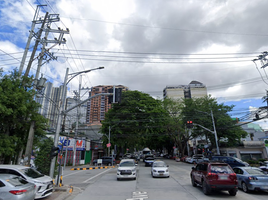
(251, 178)
(16, 188)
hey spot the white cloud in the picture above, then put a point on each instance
(176, 31)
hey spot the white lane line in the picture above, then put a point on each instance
(96, 175)
(73, 173)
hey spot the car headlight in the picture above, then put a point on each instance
(154, 170)
(133, 170)
(167, 170)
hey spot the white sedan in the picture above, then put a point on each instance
(159, 169)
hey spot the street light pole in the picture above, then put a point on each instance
(215, 133)
(214, 129)
(56, 137)
(62, 108)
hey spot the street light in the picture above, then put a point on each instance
(56, 137)
(215, 132)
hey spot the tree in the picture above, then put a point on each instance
(138, 121)
(176, 130)
(17, 106)
(42, 158)
(199, 111)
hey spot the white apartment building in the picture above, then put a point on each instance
(194, 89)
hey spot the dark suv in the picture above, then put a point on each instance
(232, 161)
(106, 160)
(214, 176)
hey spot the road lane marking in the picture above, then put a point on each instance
(97, 175)
(139, 196)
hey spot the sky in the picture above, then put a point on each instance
(147, 45)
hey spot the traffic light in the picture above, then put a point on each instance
(54, 152)
(118, 95)
(189, 124)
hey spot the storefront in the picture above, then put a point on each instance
(67, 148)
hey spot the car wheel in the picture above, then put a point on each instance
(232, 192)
(134, 178)
(193, 182)
(118, 179)
(244, 187)
(205, 188)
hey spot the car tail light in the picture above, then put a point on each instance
(252, 178)
(212, 175)
(17, 192)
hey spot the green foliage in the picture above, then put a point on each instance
(17, 109)
(42, 157)
(136, 122)
(200, 111)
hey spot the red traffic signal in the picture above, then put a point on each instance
(189, 124)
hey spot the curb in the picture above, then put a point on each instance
(91, 168)
(67, 192)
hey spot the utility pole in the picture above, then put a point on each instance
(35, 21)
(35, 46)
(48, 19)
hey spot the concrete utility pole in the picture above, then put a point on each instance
(35, 21)
(48, 19)
(35, 46)
(28, 150)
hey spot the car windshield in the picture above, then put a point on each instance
(220, 169)
(160, 164)
(254, 171)
(30, 172)
(127, 164)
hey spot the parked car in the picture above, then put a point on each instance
(159, 169)
(189, 159)
(13, 187)
(106, 160)
(251, 178)
(214, 176)
(149, 161)
(232, 161)
(127, 169)
(197, 158)
(183, 159)
(44, 184)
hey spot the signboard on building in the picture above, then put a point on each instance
(80, 144)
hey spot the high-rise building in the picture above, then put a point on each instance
(194, 90)
(98, 106)
(50, 103)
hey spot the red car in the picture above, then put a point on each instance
(214, 176)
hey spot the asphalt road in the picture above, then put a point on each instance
(101, 184)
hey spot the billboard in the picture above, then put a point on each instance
(80, 144)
